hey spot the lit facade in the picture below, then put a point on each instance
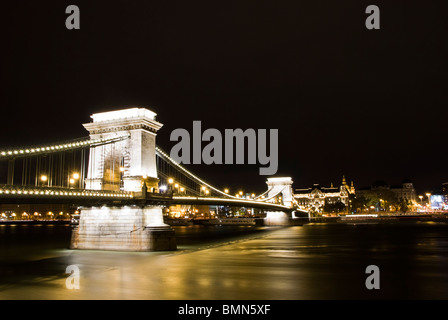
(315, 198)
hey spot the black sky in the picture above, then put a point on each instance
(367, 104)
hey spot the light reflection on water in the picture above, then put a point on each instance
(324, 261)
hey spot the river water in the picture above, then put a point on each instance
(313, 261)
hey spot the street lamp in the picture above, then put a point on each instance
(72, 180)
(429, 199)
(176, 187)
(170, 184)
(44, 179)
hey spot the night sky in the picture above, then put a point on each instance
(367, 104)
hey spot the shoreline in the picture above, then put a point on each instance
(382, 218)
(443, 217)
(34, 222)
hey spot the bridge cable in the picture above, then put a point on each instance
(165, 156)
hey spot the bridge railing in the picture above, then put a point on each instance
(7, 190)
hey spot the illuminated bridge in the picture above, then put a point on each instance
(121, 181)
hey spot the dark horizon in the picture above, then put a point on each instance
(367, 104)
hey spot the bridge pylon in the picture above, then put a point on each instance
(127, 163)
(279, 186)
(283, 186)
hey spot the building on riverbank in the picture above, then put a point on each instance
(439, 198)
(317, 198)
(405, 190)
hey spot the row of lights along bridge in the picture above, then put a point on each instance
(175, 187)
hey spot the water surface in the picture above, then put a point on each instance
(314, 261)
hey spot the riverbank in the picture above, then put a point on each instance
(33, 222)
(388, 217)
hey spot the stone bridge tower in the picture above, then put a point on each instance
(281, 186)
(127, 163)
(123, 165)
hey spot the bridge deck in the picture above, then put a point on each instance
(81, 197)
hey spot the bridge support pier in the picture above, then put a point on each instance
(276, 218)
(128, 228)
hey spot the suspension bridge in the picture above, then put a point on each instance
(121, 180)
